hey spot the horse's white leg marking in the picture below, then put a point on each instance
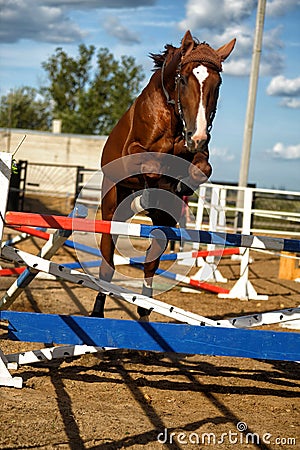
(201, 73)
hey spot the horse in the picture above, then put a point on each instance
(158, 151)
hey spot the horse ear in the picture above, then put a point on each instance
(226, 49)
(187, 44)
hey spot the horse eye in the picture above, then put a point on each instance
(183, 80)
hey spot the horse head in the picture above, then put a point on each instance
(196, 88)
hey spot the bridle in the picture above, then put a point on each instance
(177, 103)
(172, 101)
(168, 98)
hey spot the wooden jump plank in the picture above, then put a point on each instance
(165, 337)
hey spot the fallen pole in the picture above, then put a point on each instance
(187, 280)
(153, 336)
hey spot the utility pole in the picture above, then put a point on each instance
(248, 130)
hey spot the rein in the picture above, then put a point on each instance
(172, 101)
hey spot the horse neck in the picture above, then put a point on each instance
(170, 72)
(154, 87)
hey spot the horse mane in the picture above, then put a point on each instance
(159, 58)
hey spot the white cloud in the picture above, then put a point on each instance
(287, 89)
(239, 63)
(293, 103)
(94, 4)
(282, 86)
(25, 19)
(286, 151)
(240, 31)
(48, 20)
(238, 67)
(280, 7)
(217, 14)
(113, 26)
(222, 154)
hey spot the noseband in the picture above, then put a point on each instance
(194, 57)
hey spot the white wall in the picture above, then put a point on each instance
(53, 148)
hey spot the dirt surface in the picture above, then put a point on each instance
(126, 399)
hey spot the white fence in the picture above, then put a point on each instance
(51, 179)
(279, 215)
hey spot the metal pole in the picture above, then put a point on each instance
(248, 130)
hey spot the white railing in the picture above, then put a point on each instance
(290, 220)
(213, 206)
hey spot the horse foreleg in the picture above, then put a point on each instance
(151, 264)
(107, 247)
(153, 255)
(106, 273)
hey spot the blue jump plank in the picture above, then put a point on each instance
(161, 337)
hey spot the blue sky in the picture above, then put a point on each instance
(30, 30)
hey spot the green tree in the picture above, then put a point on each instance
(115, 86)
(24, 108)
(90, 100)
(68, 79)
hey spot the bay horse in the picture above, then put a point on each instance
(158, 151)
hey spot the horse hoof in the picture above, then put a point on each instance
(144, 318)
(136, 206)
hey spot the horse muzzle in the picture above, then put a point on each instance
(195, 145)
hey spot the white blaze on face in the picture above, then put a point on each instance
(201, 73)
